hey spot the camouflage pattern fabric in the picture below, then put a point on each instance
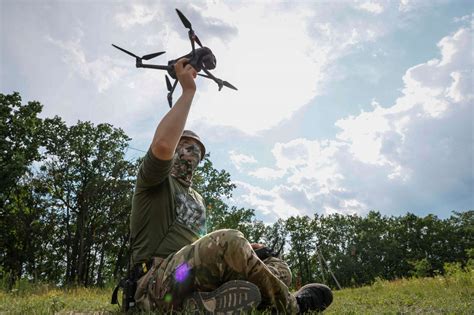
(206, 264)
(280, 269)
(183, 169)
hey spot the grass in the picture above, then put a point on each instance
(439, 295)
(47, 300)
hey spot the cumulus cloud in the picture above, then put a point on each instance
(417, 153)
(371, 6)
(465, 18)
(239, 159)
(102, 71)
(267, 173)
(279, 66)
(135, 14)
(412, 5)
(267, 201)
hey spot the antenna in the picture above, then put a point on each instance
(321, 259)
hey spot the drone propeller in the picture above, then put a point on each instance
(192, 36)
(170, 90)
(151, 56)
(185, 21)
(219, 82)
(126, 51)
(146, 57)
(230, 86)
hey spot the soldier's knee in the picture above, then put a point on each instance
(280, 269)
(230, 235)
(234, 242)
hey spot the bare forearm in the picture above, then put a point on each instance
(171, 127)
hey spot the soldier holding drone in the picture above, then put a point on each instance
(175, 264)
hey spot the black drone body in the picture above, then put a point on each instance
(200, 58)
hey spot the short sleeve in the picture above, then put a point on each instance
(153, 171)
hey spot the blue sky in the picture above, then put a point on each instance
(343, 106)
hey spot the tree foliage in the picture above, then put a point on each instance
(20, 140)
(88, 185)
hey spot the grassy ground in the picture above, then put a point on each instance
(440, 295)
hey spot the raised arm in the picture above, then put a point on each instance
(171, 127)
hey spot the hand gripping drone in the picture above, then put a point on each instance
(200, 58)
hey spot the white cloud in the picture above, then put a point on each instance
(371, 6)
(102, 71)
(465, 18)
(278, 62)
(239, 159)
(273, 64)
(268, 202)
(277, 55)
(412, 5)
(267, 173)
(416, 154)
(405, 5)
(135, 14)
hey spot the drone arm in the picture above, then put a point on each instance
(191, 38)
(212, 77)
(219, 82)
(160, 67)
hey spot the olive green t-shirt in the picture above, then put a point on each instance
(166, 215)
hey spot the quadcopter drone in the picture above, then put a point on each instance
(200, 58)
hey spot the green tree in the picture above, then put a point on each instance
(275, 236)
(302, 249)
(89, 188)
(215, 186)
(460, 237)
(20, 139)
(337, 244)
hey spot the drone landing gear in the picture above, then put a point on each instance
(170, 90)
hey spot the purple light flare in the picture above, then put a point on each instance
(182, 272)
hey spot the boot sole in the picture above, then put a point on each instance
(233, 297)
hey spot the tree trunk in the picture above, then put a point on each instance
(122, 251)
(100, 281)
(68, 245)
(81, 226)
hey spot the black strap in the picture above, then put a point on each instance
(130, 273)
(136, 273)
(115, 293)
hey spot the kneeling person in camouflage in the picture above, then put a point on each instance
(180, 266)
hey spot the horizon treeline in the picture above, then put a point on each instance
(65, 200)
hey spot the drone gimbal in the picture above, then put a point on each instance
(200, 58)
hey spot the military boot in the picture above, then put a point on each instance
(313, 297)
(233, 297)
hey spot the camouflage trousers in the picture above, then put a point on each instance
(206, 264)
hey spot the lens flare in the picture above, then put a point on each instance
(182, 272)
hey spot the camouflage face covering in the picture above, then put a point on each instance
(187, 158)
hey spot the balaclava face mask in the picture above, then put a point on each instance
(187, 158)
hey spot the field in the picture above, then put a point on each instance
(452, 294)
